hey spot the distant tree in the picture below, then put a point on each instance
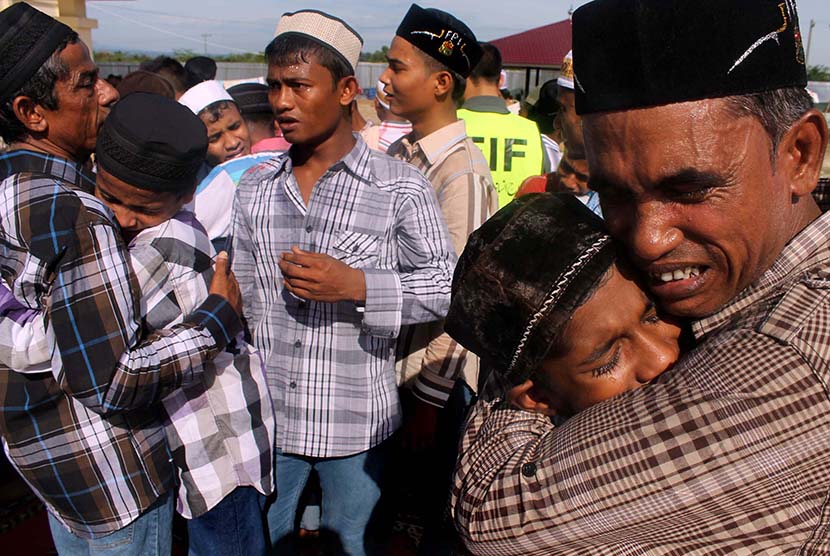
(818, 73)
(378, 56)
(120, 56)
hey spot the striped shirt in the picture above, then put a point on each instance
(727, 453)
(429, 359)
(96, 466)
(380, 137)
(220, 428)
(330, 366)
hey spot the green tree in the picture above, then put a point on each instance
(818, 73)
(376, 56)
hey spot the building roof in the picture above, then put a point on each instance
(542, 47)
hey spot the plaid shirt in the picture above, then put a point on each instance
(728, 453)
(428, 358)
(330, 366)
(96, 466)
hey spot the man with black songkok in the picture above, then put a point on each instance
(430, 58)
(705, 150)
(105, 476)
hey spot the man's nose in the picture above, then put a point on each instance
(106, 92)
(649, 231)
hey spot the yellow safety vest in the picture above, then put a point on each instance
(512, 146)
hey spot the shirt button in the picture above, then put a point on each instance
(529, 469)
(309, 228)
(292, 385)
(297, 344)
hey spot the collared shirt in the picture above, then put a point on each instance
(727, 453)
(220, 428)
(380, 137)
(330, 366)
(95, 465)
(427, 358)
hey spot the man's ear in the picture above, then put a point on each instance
(348, 89)
(801, 151)
(530, 397)
(30, 114)
(443, 83)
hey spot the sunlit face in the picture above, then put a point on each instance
(136, 209)
(572, 176)
(690, 190)
(409, 89)
(308, 104)
(615, 342)
(84, 101)
(228, 136)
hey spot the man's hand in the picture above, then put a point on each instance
(224, 282)
(319, 277)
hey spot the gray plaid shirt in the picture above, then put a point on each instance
(728, 453)
(330, 366)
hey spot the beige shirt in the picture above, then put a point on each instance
(427, 357)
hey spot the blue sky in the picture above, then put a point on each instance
(248, 25)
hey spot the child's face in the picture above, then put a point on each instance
(228, 136)
(136, 209)
(615, 342)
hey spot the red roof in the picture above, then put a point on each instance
(544, 46)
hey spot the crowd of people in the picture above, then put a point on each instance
(597, 326)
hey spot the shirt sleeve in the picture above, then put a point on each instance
(25, 343)
(466, 202)
(106, 360)
(419, 291)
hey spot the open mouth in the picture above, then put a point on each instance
(678, 274)
(678, 283)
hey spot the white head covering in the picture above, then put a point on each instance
(200, 96)
(325, 29)
(380, 95)
(566, 74)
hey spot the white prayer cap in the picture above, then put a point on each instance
(200, 96)
(329, 31)
(566, 74)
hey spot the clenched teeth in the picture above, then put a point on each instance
(679, 274)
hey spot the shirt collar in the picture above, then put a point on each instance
(72, 173)
(486, 103)
(800, 253)
(355, 161)
(439, 142)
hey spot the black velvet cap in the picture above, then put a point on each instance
(641, 53)
(152, 142)
(441, 36)
(28, 37)
(251, 98)
(522, 275)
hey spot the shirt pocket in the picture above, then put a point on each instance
(357, 249)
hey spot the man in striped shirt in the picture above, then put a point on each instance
(707, 178)
(336, 247)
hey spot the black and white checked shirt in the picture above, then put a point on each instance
(330, 366)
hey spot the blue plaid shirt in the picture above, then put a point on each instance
(96, 465)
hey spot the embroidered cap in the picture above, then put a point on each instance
(509, 304)
(566, 73)
(152, 142)
(327, 30)
(441, 36)
(200, 96)
(28, 37)
(639, 53)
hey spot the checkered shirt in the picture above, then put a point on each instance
(95, 465)
(330, 366)
(728, 453)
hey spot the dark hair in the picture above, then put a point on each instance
(40, 88)
(169, 68)
(286, 50)
(546, 107)
(214, 110)
(489, 67)
(199, 69)
(261, 118)
(459, 83)
(777, 110)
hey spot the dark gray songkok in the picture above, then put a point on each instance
(28, 37)
(152, 142)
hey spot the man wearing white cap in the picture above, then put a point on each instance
(391, 127)
(335, 247)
